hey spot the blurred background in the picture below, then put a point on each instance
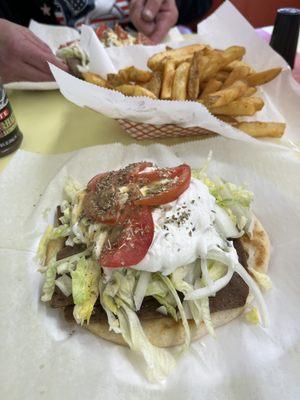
(258, 12)
(261, 13)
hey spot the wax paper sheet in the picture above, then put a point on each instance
(43, 357)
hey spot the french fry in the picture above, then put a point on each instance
(225, 96)
(228, 119)
(198, 65)
(237, 74)
(221, 75)
(257, 101)
(262, 129)
(178, 59)
(94, 78)
(168, 77)
(154, 85)
(114, 80)
(213, 85)
(135, 90)
(213, 65)
(260, 78)
(235, 64)
(179, 89)
(155, 61)
(233, 53)
(133, 74)
(250, 91)
(243, 106)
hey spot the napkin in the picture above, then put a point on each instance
(43, 357)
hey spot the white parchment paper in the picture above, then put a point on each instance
(42, 357)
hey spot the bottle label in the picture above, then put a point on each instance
(8, 121)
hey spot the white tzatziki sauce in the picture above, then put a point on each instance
(183, 231)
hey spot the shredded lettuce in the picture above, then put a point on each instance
(49, 284)
(71, 189)
(51, 234)
(64, 283)
(204, 303)
(159, 361)
(167, 303)
(85, 288)
(235, 200)
(156, 288)
(256, 293)
(252, 316)
(61, 231)
(216, 270)
(262, 279)
(42, 247)
(141, 288)
(184, 320)
(116, 297)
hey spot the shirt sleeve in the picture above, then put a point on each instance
(191, 10)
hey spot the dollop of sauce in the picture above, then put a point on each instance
(184, 231)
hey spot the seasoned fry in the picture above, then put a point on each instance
(179, 59)
(235, 64)
(260, 78)
(239, 107)
(213, 65)
(199, 62)
(179, 89)
(133, 74)
(114, 80)
(237, 74)
(155, 61)
(94, 78)
(225, 96)
(213, 85)
(135, 90)
(168, 77)
(228, 119)
(262, 129)
(257, 101)
(154, 85)
(250, 91)
(233, 53)
(221, 75)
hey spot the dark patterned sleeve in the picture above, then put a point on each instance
(191, 10)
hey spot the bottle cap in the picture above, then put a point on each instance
(285, 33)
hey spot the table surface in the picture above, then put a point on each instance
(51, 124)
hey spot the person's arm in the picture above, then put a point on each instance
(192, 10)
(154, 18)
(23, 56)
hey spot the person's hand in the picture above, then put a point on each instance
(153, 18)
(23, 56)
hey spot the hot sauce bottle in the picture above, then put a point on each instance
(10, 134)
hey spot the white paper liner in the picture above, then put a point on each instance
(43, 358)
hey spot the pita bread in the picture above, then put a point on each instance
(164, 331)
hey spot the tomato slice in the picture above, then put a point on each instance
(100, 30)
(132, 243)
(103, 201)
(120, 32)
(161, 192)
